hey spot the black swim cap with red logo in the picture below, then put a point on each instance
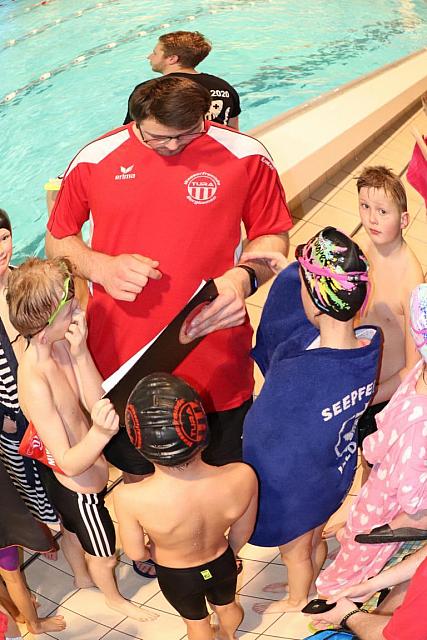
(165, 420)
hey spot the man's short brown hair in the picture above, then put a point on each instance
(382, 178)
(34, 290)
(191, 47)
(172, 101)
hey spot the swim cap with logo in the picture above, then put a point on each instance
(165, 420)
(418, 313)
(335, 272)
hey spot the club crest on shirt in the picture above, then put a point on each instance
(202, 187)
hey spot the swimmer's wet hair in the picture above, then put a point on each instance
(382, 178)
(34, 290)
(191, 47)
(5, 221)
(175, 102)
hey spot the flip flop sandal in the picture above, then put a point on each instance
(385, 533)
(144, 574)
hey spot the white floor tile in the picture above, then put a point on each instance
(133, 586)
(291, 625)
(272, 573)
(60, 563)
(160, 603)
(253, 621)
(251, 568)
(265, 554)
(166, 627)
(52, 583)
(78, 627)
(117, 635)
(91, 604)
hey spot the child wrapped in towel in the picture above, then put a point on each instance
(320, 375)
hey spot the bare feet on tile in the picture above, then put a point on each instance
(281, 606)
(131, 610)
(44, 625)
(51, 555)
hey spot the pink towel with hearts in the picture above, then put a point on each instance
(397, 483)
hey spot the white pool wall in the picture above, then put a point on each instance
(314, 140)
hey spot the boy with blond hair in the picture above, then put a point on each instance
(394, 273)
(57, 380)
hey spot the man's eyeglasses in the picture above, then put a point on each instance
(159, 141)
(67, 296)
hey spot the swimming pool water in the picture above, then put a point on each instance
(68, 67)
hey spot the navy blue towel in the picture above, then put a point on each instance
(300, 434)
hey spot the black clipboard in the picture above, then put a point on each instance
(166, 353)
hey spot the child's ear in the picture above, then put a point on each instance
(41, 337)
(404, 220)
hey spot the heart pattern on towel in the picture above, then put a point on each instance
(416, 413)
(382, 474)
(407, 454)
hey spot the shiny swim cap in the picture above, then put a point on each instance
(418, 306)
(165, 420)
(335, 272)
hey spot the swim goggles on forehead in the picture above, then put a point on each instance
(67, 295)
(348, 280)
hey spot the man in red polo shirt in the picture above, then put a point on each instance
(166, 195)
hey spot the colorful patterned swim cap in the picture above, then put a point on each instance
(335, 272)
(418, 305)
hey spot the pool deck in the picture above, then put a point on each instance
(87, 616)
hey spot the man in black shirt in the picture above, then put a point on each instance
(178, 54)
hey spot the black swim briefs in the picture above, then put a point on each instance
(84, 514)
(188, 589)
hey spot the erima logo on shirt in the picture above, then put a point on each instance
(202, 187)
(125, 173)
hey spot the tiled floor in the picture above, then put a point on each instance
(87, 617)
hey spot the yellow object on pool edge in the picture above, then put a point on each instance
(54, 184)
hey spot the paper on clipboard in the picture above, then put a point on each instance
(163, 353)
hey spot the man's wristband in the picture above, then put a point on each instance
(348, 615)
(252, 277)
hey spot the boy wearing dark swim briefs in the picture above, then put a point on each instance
(300, 434)
(56, 378)
(186, 506)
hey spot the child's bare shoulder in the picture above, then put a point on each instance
(241, 471)
(33, 388)
(134, 494)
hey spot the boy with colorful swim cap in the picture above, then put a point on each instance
(320, 374)
(186, 506)
(397, 486)
(57, 381)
